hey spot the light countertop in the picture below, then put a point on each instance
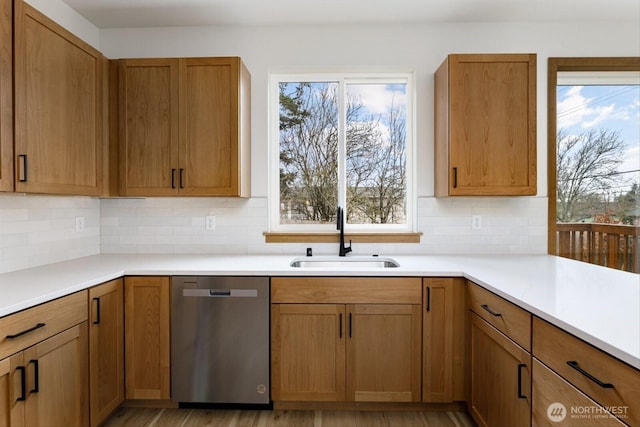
(596, 304)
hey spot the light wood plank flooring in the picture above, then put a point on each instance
(169, 417)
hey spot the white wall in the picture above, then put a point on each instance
(39, 229)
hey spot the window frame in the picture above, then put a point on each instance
(343, 78)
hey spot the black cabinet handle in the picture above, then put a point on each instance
(455, 177)
(36, 376)
(23, 159)
(26, 331)
(340, 325)
(575, 366)
(173, 178)
(350, 325)
(180, 178)
(23, 384)
(493, 313)
(428, 298)
(520, 395)
(97, 321)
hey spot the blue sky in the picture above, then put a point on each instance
(610, 107)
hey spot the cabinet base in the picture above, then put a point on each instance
(370, 406)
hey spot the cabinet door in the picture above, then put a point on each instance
(500, 378)
(12, 394)
(106, 349)
(550, 389)
(148, 118)
(486, 125)
(308, 352)
(58, 108)
(147, 351)
(383, 352)
(437, 341)
(209, 141)
(57, 383)
(6, 96)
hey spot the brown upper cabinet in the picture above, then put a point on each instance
(6, 96)
(485, 125)
(59, 96)
(184, 127)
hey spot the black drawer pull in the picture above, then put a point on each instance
(575, 366)
(340, 325)
(23, 176)
(520, 395)
(36, 376)
(38, 326)
(23, 384)
(97, 321)
(493, 313)
(428, 298)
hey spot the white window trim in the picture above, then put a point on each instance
(273, 115)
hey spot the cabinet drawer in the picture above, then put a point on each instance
(577, 409)
(605, 379)
(25, 328)
(347, 290)
(503, 315)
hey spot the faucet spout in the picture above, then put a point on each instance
(340, 226)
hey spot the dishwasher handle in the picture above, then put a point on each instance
(220, 293)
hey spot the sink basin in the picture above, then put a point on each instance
(338, 263)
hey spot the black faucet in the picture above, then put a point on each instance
(340, 226)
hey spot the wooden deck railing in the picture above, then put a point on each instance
(610, 245)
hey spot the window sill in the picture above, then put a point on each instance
(335, 237)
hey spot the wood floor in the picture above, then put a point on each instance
(169, 417)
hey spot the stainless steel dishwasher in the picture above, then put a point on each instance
(220, 340)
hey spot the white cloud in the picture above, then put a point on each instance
(601, 114)
(571, 109)
(576, 109)
(377, 97)
(631, 160)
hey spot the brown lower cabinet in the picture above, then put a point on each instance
(43, 365)
(558, 403)
(443, 340)
(367, 348)
(500, 378)
(106, 349)
(147, 330)
(596, 386)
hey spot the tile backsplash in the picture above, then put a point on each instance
(166, 225)
(37, 230)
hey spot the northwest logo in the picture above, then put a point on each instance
(556, 412)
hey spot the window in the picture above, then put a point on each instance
(597, 147)
(341, 140)
(594, 168)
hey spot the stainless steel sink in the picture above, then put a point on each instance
(338, 263)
